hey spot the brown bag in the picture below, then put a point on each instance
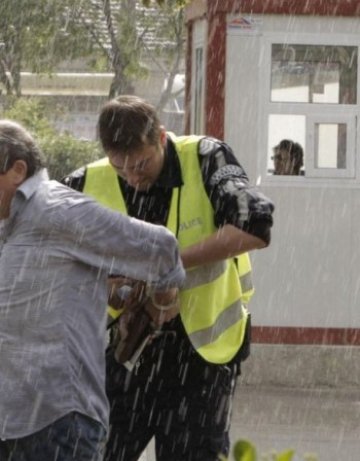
(132, 330)
(138, 331)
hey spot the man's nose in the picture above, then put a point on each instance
(133, 177)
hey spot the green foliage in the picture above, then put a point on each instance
(176, 3)
(286, 455)
(36, 35)
(140, 38)
(108, 35)
(246, 451)
(32, 113)
(129, 45)
(63, 152)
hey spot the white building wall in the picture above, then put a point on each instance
(310, 275)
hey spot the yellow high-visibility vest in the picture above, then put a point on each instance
(212, 300)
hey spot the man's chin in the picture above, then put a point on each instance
(142, 187)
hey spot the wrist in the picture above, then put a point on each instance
(164, 301)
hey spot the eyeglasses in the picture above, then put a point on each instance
(139, 166)
(277, 157)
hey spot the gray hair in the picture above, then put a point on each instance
(16, 143)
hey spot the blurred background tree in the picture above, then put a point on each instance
(63, 152)
(36, 35)
(124, 38)
(179, 3)
(128, 35)
(110, 35)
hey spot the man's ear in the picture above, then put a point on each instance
(19, 172)
(162, 136)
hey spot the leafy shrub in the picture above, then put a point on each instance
(245, 451)
(63, 152)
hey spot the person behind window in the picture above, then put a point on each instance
(288, 158)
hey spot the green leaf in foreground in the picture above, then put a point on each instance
(285, 455)
(244, 451)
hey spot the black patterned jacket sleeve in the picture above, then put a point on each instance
(76, 179)
(234, 200)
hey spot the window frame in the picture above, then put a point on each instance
(310, 160)
(313, 112)
(198, 104)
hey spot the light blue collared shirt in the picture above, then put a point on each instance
(56, 251)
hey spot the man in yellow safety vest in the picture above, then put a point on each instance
(182, 385)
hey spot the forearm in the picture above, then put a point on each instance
(227, 242)
(123, 246)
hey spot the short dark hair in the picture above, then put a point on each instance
(295, 151)
(127, 123)
(16, 143)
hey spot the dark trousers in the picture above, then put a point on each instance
(173, 395)
(74, 437)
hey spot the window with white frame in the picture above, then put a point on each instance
(198, 78)
(311, 108)
(198, 90)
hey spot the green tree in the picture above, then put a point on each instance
(127, 35)
(173, 54)
(111, 24)
(63, 152)
(180, 3)
(113, 35)
(35, 35)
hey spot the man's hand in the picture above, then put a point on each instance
(143, 312)
(128, 294)
(125, 293)
(163, 306)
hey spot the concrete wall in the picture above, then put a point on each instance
(302, 366)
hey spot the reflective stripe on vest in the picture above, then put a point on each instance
(225, 320)
(204, 274)
(245, 276)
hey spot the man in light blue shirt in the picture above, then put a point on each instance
(57, 249)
